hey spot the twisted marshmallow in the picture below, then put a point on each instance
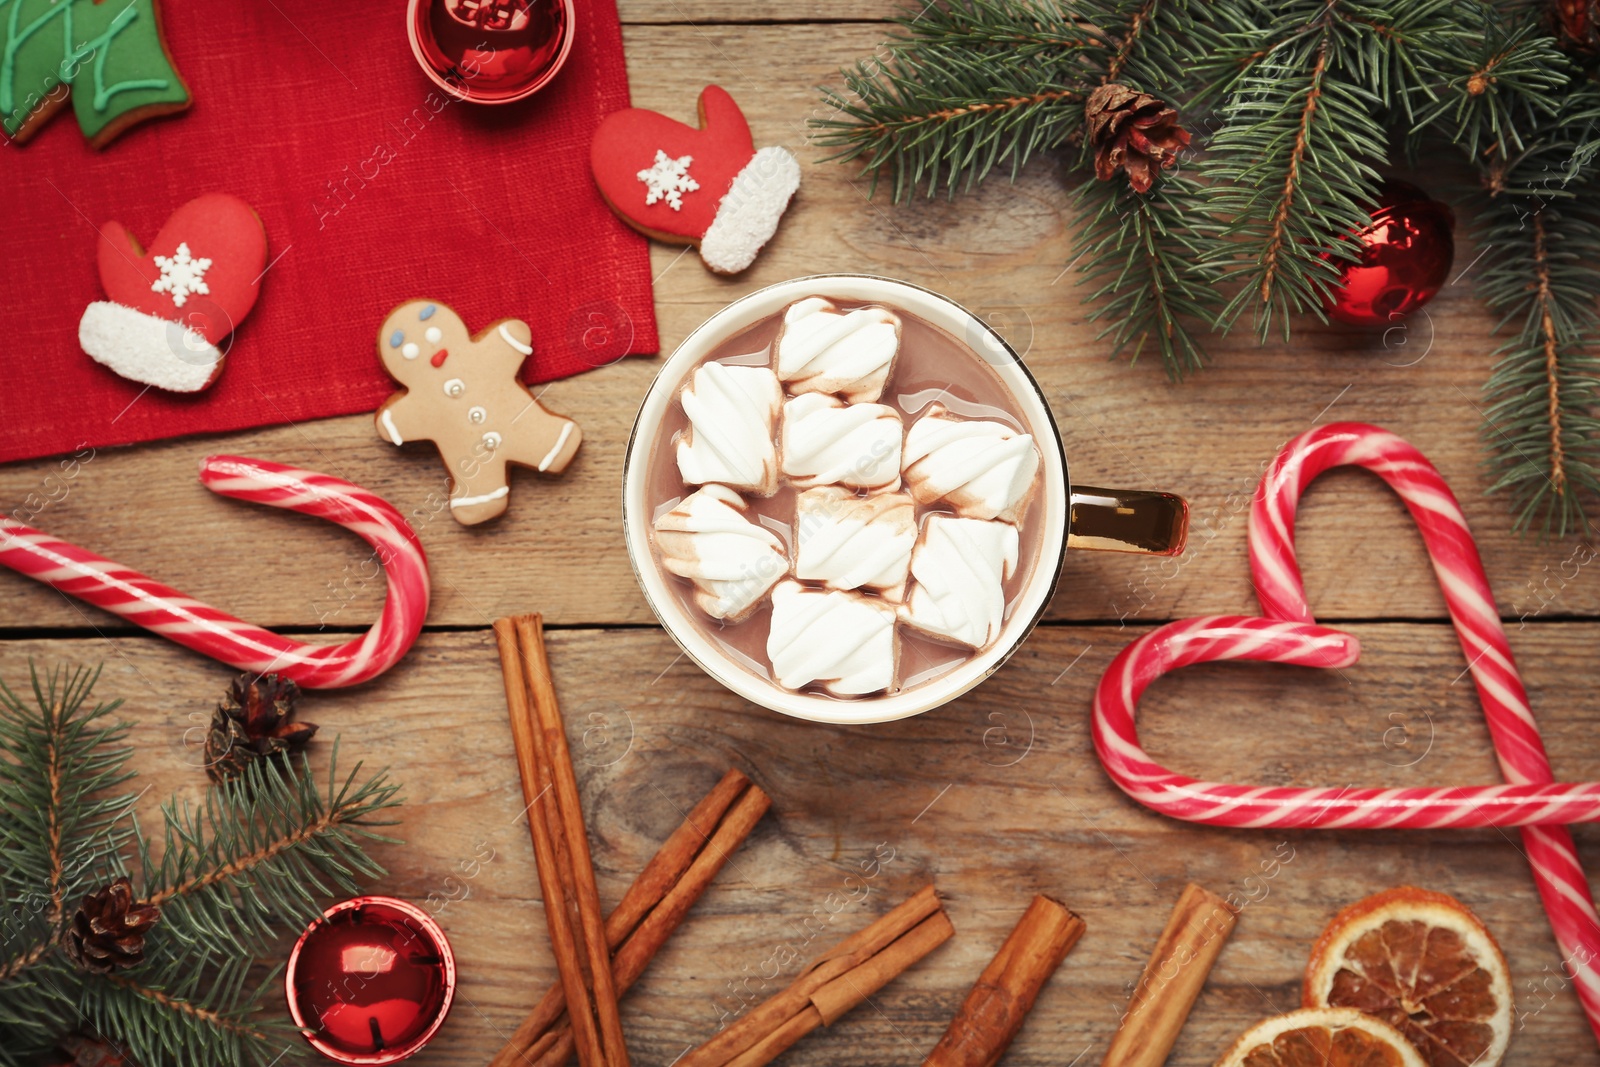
(846, 541)
(843, 642)
(828, 442)
(731, 412)
(821, 349)
(983, 469)
(958, 573)
(708, 539)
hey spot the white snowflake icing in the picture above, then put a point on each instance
(181, 275)
(668, 179)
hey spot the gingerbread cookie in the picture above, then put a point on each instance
(708, 187)
(108, 58)
(172, 305)
(462, 393)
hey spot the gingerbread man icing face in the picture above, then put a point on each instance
(462, 393)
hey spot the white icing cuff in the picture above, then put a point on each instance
(821, 349)
(708, 539)
(958, 574)
(748, 215)
(731, 412)
(843, 642)
(983, 469)
(829, 442)
(851, 542)
(148, 350)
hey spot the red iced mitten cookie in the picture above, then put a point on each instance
(172, 304)
(462, 393)
(708, 187)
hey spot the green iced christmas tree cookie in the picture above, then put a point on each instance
(108, 58)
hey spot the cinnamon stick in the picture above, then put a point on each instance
(994, 1010)
(1172, 980)
(560, 843)
(649, 912)
(831, 985)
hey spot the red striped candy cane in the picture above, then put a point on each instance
(203, 628)
(1531, 798)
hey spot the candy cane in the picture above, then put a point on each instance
(163, 610)
(1530, 799)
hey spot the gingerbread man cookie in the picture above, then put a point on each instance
(462, 393)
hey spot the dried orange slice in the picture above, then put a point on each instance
(1422, 962)
(1322, 1037)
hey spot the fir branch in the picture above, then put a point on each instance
(1307, 86)
(23, 960)
(1142, 251)
(1527, 119)
(156, 1027)
(1544, 299)
(1504, 81)
(1543, 438)
(200, 1016)
(1271, 258)
(1135, 25)
(263, 850)
(1148, 45)
(61, 826)
(931, 118)
(1292, 173)
(37, 1009)
(259, 851)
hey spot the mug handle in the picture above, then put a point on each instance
(1128, 520)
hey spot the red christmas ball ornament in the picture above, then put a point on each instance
(1406, 252)
(371, 981)
(491, 51)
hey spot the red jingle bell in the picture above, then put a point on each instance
(371, 981)
(1406, 252)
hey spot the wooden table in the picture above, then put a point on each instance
(996, 796)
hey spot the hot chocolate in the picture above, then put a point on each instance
(845, 498)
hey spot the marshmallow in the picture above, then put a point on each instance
(731, 413)
(732, 561)
(843, 642)
(849, 542)
(958, 574)
(828, 442)
(821, 349)
(984, 470)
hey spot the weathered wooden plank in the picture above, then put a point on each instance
(995, 797)
(704, 12)
(1002, 251)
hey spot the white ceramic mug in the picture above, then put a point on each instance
(1097, 518)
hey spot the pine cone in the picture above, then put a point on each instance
(253, 722)
(1577, 25)
(1131, 131)
(107, 931)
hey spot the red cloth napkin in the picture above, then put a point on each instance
(374, 188)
